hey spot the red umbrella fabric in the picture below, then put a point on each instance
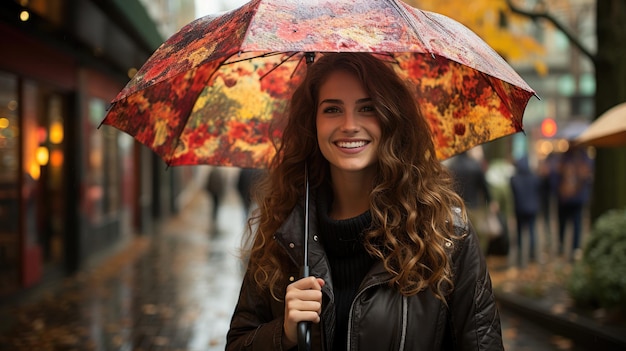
(216, 91)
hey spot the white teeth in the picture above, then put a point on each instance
(351, 144)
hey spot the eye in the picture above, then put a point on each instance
(368, 108)
(331, 109)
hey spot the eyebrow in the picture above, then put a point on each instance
(337, 101)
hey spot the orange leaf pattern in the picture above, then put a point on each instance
(216, 92)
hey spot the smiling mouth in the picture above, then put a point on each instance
(351, 144)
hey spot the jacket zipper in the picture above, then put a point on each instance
(404, 314)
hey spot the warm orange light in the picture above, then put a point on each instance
(35, 171)
(42, 155)
(4, 122)
(24, 16)
(56, 158)
(562, 145)
(548, 128)
(56, 132)
(544, 147)
(95, 158)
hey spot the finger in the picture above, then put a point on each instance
(304, 312)
(303, 300)
(308, 295)
(304, 306)
(296, 316)
(291, 320)
(307, 283)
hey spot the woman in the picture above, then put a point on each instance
(394, 264)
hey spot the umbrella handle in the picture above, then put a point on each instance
(304, 336)
(304, 328)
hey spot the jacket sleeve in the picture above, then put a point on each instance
(254, 326)
(474, 318)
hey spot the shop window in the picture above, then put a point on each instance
(102, 197)
(43, 188)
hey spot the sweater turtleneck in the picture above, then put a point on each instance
(348, 259)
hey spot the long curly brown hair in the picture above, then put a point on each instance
(411, 202)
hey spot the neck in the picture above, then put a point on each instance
(351, 194)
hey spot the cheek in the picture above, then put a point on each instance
(321, 129)
(375, 129)
(323, 137)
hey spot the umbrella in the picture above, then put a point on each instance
(608, 130)
(216, 91)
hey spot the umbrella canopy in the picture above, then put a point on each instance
(216, 92)
(608, 130)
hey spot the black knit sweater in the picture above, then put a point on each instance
(349, 262)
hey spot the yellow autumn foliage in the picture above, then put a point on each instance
(492, 21)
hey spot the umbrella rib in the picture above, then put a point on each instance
(411, 21)
(281, 62)
(267, 54)
(296, 69)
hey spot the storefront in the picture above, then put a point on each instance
(34, 111)
(68, 189)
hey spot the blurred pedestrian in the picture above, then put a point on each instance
(547, 172)
(471, 184)
(525, 185)
(245, 185)
(498, 177)
(575, 176)
(216, 187)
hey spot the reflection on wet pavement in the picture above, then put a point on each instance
(175, 291)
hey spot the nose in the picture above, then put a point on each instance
(349, 122)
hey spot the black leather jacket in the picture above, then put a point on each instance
(380, 317)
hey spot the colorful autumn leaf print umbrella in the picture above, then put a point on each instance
(216, 91)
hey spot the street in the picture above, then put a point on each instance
(175, 291)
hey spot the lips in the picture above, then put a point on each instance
(353, 144)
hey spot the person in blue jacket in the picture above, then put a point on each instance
(526, 187)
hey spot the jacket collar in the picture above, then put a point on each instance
(290, 236)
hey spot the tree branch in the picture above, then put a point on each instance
(545, 15)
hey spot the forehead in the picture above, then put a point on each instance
(341, 84)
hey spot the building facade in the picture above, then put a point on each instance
(567, 84)
(71, 190)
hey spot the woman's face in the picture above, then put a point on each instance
(348, 130)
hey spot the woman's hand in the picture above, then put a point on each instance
(303, 302)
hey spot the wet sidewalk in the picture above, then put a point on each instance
(173, 291)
